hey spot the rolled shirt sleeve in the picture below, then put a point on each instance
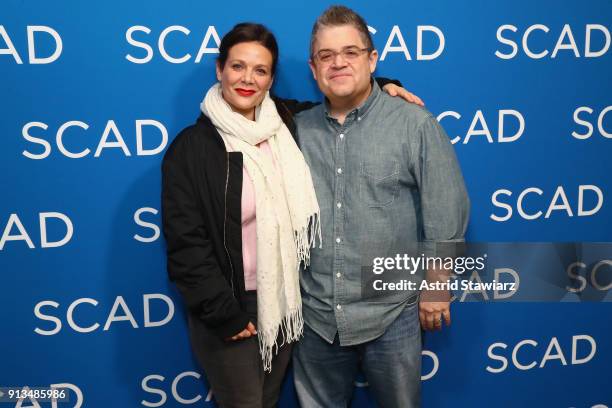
(445, 205)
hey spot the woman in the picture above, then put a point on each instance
(240, 214)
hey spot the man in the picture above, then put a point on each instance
(384, 173)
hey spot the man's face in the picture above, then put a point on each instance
(346, 75)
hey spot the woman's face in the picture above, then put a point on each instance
(246, 77)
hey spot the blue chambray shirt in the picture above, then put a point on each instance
(387, 176)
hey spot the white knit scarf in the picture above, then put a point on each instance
(287, 213)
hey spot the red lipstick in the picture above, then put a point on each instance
(244, 92)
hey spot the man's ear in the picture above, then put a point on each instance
(373, 59)
(313, 68)
(218, 70)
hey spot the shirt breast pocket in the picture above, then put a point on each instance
(379, 183)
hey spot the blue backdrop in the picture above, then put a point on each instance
(93, 92)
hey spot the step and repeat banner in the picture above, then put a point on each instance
(92, 93)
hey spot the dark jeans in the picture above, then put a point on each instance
(325, 373)
(234, 369)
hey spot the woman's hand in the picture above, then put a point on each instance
(245, 334)
(395, 90)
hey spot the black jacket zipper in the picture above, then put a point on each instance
(224, 226)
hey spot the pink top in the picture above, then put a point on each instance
(249, 226)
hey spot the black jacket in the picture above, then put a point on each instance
(201, 212)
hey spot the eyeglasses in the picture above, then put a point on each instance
(348, 54)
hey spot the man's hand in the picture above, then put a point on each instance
(395, 90)
(246, 333)
(433, 307)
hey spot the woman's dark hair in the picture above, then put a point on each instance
(247, 32)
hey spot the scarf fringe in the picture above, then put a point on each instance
(291, 328)
(306, 238)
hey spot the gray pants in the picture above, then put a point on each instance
(234, 369)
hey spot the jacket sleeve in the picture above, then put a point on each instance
(384, 81)
(192, 263)
(296, 106)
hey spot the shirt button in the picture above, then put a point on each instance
(341, 135)
(338, 240)
(338, 275)
(339, 170)
(339, 205)
(338, 307)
